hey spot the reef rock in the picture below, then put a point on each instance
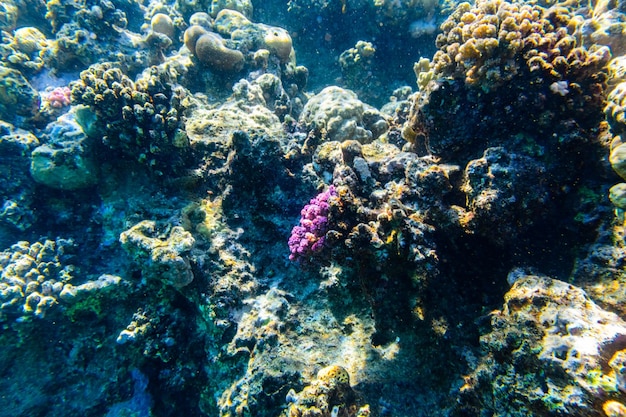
(340, 115)
(548, 353)
(64, 161)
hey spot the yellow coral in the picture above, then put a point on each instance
(614, 409)
(487, 43)
(279, 42)
(334, 374)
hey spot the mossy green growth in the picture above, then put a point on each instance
(596, 378)
(89, 306)
(588, 197)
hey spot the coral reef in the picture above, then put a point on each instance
(163, 252)
(141, 120)
(552, 326)
(339, 115)
(160, 153)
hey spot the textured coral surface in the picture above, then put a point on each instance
(253, 208)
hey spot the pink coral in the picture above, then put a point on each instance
(59, 97)
(308, 237)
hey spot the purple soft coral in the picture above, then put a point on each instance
(308, 237)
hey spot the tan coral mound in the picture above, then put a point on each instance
(489, 43)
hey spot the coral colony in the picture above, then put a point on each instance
(60, 97)
(308, 238)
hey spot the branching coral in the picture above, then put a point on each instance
(308, 237)
(489, 43)
(142, 120)
(504, 69)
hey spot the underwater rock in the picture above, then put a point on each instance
(64, 161)
(546, 353)
(17, 96)
(245, 111)
(17, 189)
(162, 252)
(503, 188)
(340, 115)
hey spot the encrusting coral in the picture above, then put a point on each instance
(328, 395)
(163, 253)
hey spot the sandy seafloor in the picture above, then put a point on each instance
(312, 208)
